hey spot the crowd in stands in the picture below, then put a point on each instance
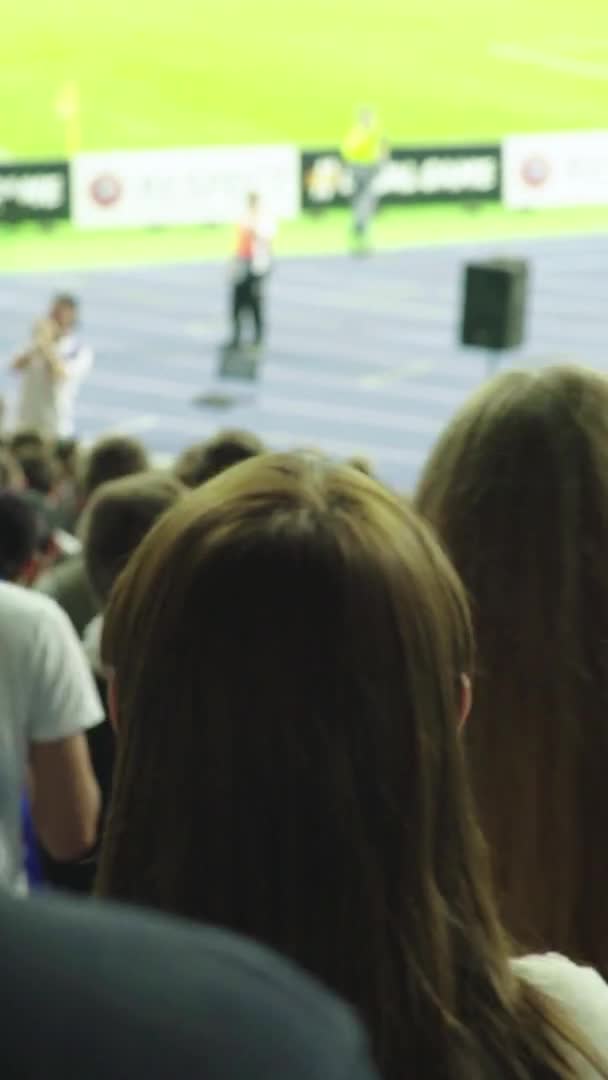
(365, 730)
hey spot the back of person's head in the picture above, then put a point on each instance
(11, 473)
(112, 457)
(26, 439)
(117, 518)
(64, 309)
(19, 535)
(38, 468)
(517, 486)
(289, 645)
(203, 461)
(66, 453)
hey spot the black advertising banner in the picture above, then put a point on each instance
(34, 191)
(409, 175)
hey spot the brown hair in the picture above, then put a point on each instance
(19, 534)
(26, 438)
(288, 645)
(361, 464)
(12, 475)
(517, 487)
(203, 461)
(116, 520)
(112, 457)
(38, 468)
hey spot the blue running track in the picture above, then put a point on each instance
(362, 355)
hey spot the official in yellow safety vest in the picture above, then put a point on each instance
(364, 149)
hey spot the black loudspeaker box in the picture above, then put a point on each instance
(495, 294)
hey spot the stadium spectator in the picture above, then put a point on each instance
(67, 454)
(68, 467)
(202, 461)
(23, 713)
(11, 473)
(119, 514)
(43, 476)
(42, 491)
(26, 542)
(38, 469)
(26, 439)
(102, 993)
(289, 647)
(47, 702)
(517, 487)
(51, 369)
(19, 537)
(111, 457)
(117, 518)
(68, 584)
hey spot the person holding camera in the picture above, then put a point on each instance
(52, 367)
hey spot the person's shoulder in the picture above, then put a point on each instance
(234, 1006)
(31, 611)
(559, 976)
(17, 602)
(580, 991)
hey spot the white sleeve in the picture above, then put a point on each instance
(580, 991)
(63, 698)
(82, 363)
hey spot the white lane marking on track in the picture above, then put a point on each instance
(406, 371)
(565, 65)
(270, 403)
(206, 424)
(460, 371)
(116, 418)
(139, 424)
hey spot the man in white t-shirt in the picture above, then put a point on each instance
(48, 700)
(51, 368)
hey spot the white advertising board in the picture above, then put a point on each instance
(182, 187)
(541, 171)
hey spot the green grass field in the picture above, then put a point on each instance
(184, 72)
(30, 247)
(155, 73)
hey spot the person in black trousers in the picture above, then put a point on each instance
(253, 262)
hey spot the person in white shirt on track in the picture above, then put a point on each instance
(52, 367)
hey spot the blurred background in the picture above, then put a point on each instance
(130, 135)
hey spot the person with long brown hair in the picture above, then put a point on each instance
(517, 487)
(289, 649)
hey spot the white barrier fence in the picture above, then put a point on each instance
(182, 187)
(208, 185)
(543, 171)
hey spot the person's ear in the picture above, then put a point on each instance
(466, 700)
(29, 572)
(112, 693)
